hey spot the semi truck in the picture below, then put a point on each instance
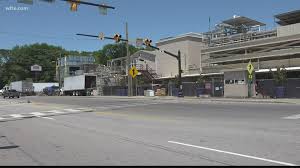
(81, 85)
(25, 88)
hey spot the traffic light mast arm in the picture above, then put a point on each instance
(89, 3)
(109, 38)
(166, 52)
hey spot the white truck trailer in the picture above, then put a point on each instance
(24, 87)
(81, 85)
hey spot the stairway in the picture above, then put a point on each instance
(147, 71)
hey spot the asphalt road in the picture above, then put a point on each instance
(148, 132)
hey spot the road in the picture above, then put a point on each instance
(147, 132)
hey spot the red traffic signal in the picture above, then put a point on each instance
(117, 38)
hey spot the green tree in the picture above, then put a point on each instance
(201, 81)
(112, 51)
(23, 57)
(4, 57)
(280, 76)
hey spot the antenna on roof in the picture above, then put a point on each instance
(235, 16)
(209, 23)
(210, 34)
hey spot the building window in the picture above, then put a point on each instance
(241, 82)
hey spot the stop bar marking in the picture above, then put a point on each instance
(232, 153)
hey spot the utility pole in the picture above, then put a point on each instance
(59, 71)
(130, 93)
(147, 42)
(180, 92)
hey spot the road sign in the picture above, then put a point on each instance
(139, 42)
(101, 36)
(133, 72)
(250, 77)
(250, 68)
(36, 68)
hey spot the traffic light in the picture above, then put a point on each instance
(117, 38)
(148, 42)
(74, 5)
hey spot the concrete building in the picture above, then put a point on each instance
(190, 46)
(238, 40)
(74, 65)
(223, 54)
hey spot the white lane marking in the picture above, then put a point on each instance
(55, 111)
(38, 114)
(16, 115)
(46, 118)
(71, 110)
(112, 106)
(232, 153)
(293, 117)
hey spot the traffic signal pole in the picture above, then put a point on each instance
(130, 93)
(147, 42)
(180, 92)
(178, 57)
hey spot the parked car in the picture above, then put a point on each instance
(11, 94)
(1, 92)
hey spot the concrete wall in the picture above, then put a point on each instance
(235, 90)
(166, 65)
(238, 86)
(190, 57)
(288, 30)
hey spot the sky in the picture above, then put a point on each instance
(55, 24)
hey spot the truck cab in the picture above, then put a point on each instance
(11, 94)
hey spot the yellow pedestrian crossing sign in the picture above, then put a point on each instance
(133, 72)
(250, 68)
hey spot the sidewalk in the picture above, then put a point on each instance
(211, 99)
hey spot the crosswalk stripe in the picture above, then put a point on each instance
(293, 117)
(38, 114)
(55, 111)
(71, 110)
(17, 115)
(43, 113)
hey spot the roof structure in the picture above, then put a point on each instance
(191, 34)
(242, 20)
(288, 18)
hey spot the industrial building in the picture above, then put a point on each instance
(74, 65)
(226, 50)
(221, 55)
(238, 40)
